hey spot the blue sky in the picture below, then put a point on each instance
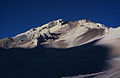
(17, 16)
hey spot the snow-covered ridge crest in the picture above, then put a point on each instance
(35, 32)
(60, 34)
(54, 25)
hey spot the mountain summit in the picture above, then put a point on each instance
(58, 34)
(68, 49)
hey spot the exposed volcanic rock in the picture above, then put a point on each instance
(68, 49)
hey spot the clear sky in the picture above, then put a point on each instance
(17, 16)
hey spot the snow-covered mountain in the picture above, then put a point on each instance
(70, 37)
(58, 34)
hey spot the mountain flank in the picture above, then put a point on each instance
(62, 49)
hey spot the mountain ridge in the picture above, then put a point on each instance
(68, 49)
(59, 27)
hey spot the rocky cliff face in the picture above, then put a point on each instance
(76, 43)
(58, 34)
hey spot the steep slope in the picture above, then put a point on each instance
(112, 40)
(63, 48)
(58, 34)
